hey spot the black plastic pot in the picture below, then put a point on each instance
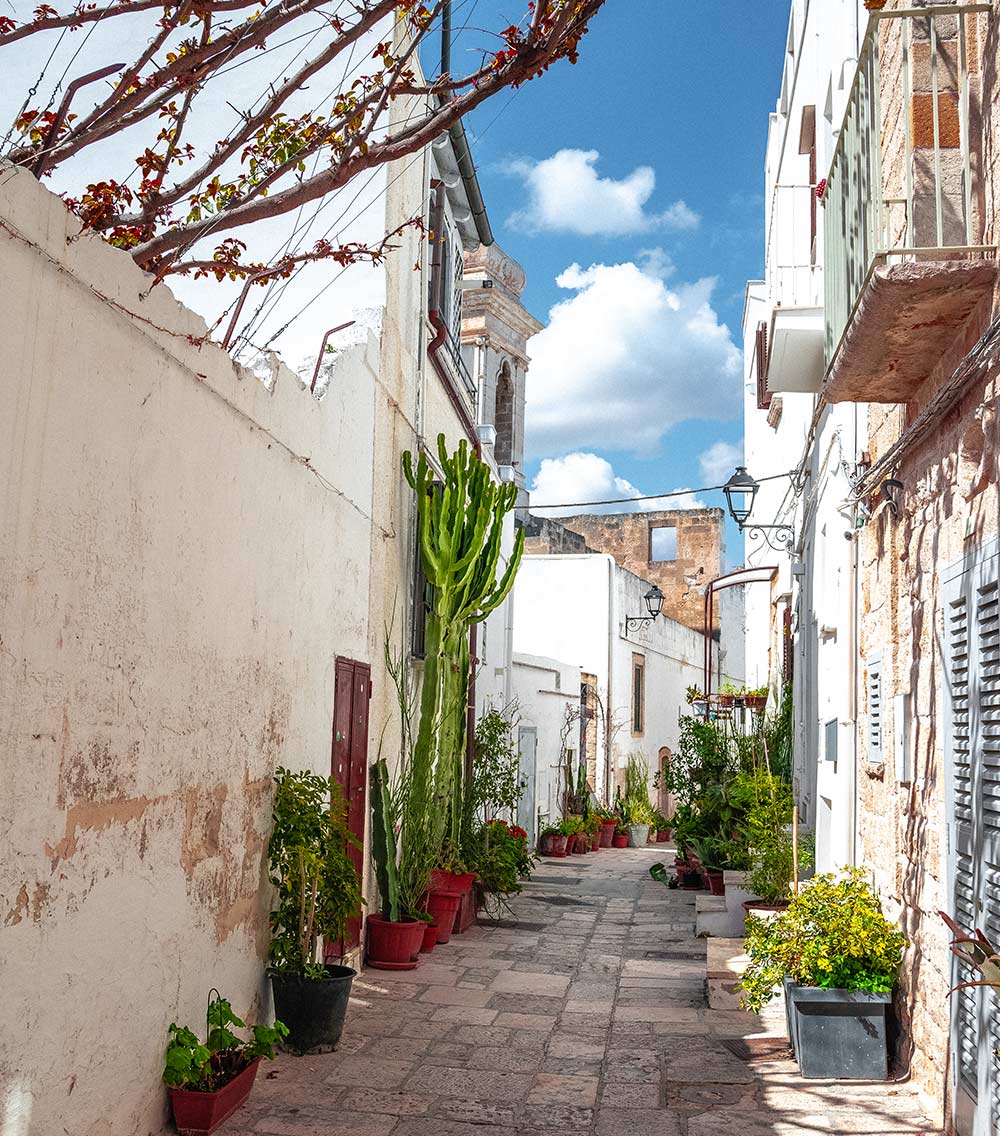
(839, 1034)
(313, 1008)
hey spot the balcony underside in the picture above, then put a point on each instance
(905, 319)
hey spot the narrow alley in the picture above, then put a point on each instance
(583, 1011)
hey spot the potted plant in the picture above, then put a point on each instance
(662, 827)
(317, 892)
(756, 699)
(620, 838)
(208, 1082)
(552, 841)
(395, 937)
(713, 856)
(608, 824)
(840, 957)
(636, 809)
(504, 861)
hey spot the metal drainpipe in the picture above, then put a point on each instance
(609, 706)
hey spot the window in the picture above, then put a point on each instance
(760, 359)
(638, 694)
(503, 417)
(662, 542)
(874, 681)
(452, 272)
(423, 592)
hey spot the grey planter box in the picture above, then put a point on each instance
(839, 1034)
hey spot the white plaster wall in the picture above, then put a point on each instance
(184, 554)
(545, 690)
(574, 608)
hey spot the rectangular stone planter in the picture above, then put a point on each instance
(839, 1034)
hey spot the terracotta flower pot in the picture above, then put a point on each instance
(430, 938)
(581, 843)
(714, 880)
(727, 699)
(443, 910)
(554, 844)
(690, 878)
(663, 835)
(763, 910)
(197, 1114)
(620, 841)
(452, 883)
(394, 946)
(607, 833)
(466, 913)
(756, 702)
(595, 840)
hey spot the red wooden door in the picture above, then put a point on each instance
(351, 694)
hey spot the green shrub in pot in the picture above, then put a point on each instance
(317, 893)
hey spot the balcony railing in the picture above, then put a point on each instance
(901, 187)
(455, 357)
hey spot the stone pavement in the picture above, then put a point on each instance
(583, 1012)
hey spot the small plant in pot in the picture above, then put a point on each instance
(634, 805)
(620, 838)
(318, 891)
(662, 827)
(838, 958)
(395, 937)
(552, 841)
(208, 1082)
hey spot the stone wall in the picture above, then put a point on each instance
(544, 536)
(699, 553)
(949, 506)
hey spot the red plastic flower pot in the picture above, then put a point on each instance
(607, 832)
(197, 1114)
(442, 907)
(452, 883)
(394, 946)
(430, 938)
(620, 841)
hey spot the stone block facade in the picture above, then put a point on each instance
(697, 543)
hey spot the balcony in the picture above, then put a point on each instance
(794, 359)
(904, 266)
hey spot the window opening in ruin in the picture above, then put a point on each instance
(662, 542)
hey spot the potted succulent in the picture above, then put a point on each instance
(208, 1082)
(838, 957)
(395, 937)
(317, 892)
(552, 841)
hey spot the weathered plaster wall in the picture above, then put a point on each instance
(949, 507)
(700, 548)
(184, 553)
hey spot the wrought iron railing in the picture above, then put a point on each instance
(900, 185)
(457, 360)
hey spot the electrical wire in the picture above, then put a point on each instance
(652, 496)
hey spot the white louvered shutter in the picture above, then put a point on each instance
(873, 669)
(971, 600)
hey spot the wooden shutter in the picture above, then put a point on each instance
(875, 701)
(760, 355)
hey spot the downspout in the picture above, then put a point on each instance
(852, 670)
(609, 707)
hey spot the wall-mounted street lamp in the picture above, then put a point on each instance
(654, 605)
(741, 492)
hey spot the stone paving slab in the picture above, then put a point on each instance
(592, 1020)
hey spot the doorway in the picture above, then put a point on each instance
(527, 740)
(349, 767)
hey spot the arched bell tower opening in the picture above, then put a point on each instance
(503, 417)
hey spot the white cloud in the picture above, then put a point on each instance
(718, 462)
(580, 477)
(566, 194)
(626, 358)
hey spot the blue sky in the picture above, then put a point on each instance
(685, 89)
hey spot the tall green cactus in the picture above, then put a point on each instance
(384, 841)
(461, 527)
